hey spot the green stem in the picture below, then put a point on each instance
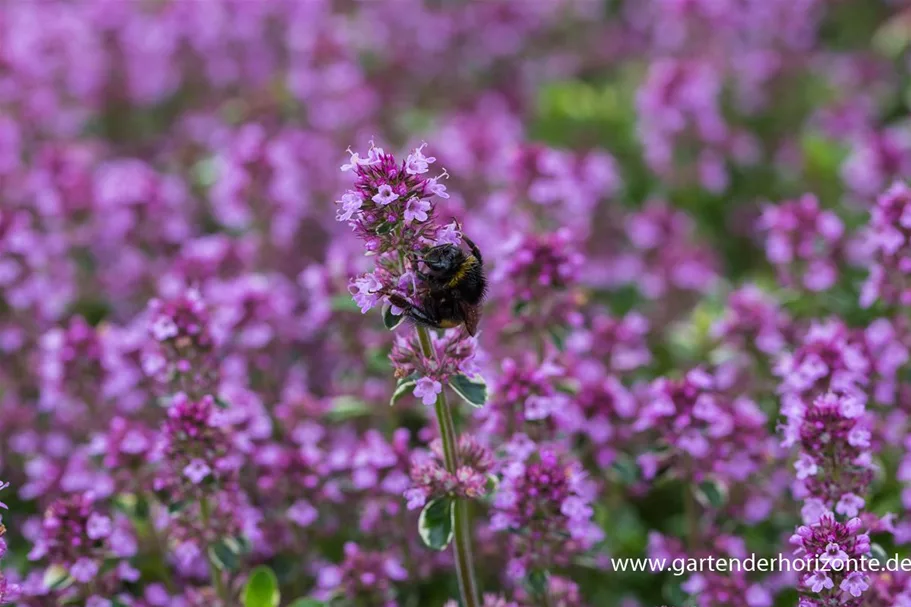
(217, 580)
(161, 550)
(691, 509)
(461, 544)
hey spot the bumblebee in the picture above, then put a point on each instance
(456, 289)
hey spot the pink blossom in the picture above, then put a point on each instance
(427, 390)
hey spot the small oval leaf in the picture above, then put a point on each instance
(537, 582)
(558, 336)
(436, 523)
(224, 555)
(673, 593)
(711, 493)
(473, 390)
(390, 320)
(878, 553)
(206, 171)
(343, 303)
(569, 386)
(179, 505)
(262, 588)
(403, 387)
(347, 407)
(56, 578)
(626, 469)
(385, 227)
(493, 482)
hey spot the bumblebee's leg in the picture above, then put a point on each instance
(423, 317)
(426, 316)
(474, 249)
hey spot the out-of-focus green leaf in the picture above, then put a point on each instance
(537, 581)
(226, 554)
(205, 172)
(673, 593)
(177, 506)
(711, 493)
(625, 469)
(262, 589)
(878, 552)
(56, 578)
(344, 303)
(347, 407)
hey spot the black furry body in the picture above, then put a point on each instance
(456, 289)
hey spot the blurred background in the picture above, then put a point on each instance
(615, 161)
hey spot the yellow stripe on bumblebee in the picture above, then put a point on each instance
(469, 263)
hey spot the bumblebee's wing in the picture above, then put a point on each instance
(472, 316)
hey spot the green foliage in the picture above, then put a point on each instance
(390, 320)
(625, 469)
(674, 594)
(536, 581)
(94, 311)
(385, 228)
(402, 387)
(261, 589)
(347, 407)
(226, 553)
(437, 522)
(56, 578)
(711, 494)
(177, 506)
(473, 390)
(344, 303)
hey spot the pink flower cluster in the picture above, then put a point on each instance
(8, 590)
(546, 502)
